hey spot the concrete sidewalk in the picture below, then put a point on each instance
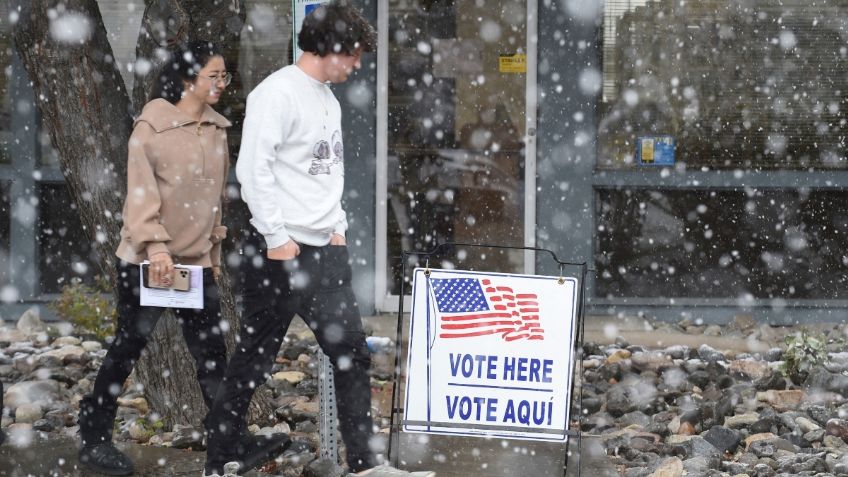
(449, 457)
(604, 329)
(58, 457)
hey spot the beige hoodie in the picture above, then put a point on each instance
(176, 178)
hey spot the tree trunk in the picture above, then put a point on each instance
(168, 22)
(78, 80)
(85, 108)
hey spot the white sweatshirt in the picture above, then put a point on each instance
(291, 161)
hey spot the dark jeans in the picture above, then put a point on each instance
(316, 286)
(201, 330)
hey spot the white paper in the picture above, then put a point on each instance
(170, 298)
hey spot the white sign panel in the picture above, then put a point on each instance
(490, 355)
(301, 8)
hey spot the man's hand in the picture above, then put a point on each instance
(161, 268)
(216, 271)
(337, 239)
(286, 251)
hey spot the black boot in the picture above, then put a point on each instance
(95, 421)
(106, 459)
(98, 453)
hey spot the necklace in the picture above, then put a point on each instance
(321, 94)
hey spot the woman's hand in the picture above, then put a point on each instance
(161, 268)
(338, 239)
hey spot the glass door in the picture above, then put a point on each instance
(455, 134)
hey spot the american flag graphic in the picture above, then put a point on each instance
(471, 307)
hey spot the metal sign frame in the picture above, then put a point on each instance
(396, 425)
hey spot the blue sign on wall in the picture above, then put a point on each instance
(655, 150)
(300, 9)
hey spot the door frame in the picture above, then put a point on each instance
(383, 300)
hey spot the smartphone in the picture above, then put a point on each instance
(182, 279)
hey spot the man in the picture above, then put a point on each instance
(291, 169)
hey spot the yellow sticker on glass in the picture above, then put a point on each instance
(516, 63)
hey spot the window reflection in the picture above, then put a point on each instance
(264, 47)
(765, 244)
(64, 248)
(456, 152)
(6, 100)
(5, 232)
(755, 85)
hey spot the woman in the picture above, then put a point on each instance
(176, 177)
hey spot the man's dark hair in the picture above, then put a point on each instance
(336, 27)
(183, 63)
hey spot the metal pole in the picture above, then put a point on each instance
(578, 345)
(327, 410)
(395, 433)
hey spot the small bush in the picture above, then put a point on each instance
(804, 352)
(88, 308)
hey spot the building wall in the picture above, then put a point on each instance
(568, 76)
(359, 102)
(644, 229)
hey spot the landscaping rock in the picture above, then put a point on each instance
(672, 467)
(28, 413)
(44, 392)
(30, 322)
(722, 438)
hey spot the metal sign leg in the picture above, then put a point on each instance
(394, 426)
(327, 410)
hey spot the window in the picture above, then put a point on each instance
(64, 249)
(264, 47)
(456, 116)
(746, 93)
(738, 85)
(749, 243)
(5, 231)
(6, 100)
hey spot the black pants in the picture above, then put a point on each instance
(316, 286)
(201, 330)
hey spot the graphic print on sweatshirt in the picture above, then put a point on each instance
(321, 155)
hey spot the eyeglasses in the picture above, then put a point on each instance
(226, 78)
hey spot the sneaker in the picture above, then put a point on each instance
(230, 470)
(106, 459)
(389, 471)
(251, 452)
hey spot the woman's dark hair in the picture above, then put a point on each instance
(336, 27)
(183, 63)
